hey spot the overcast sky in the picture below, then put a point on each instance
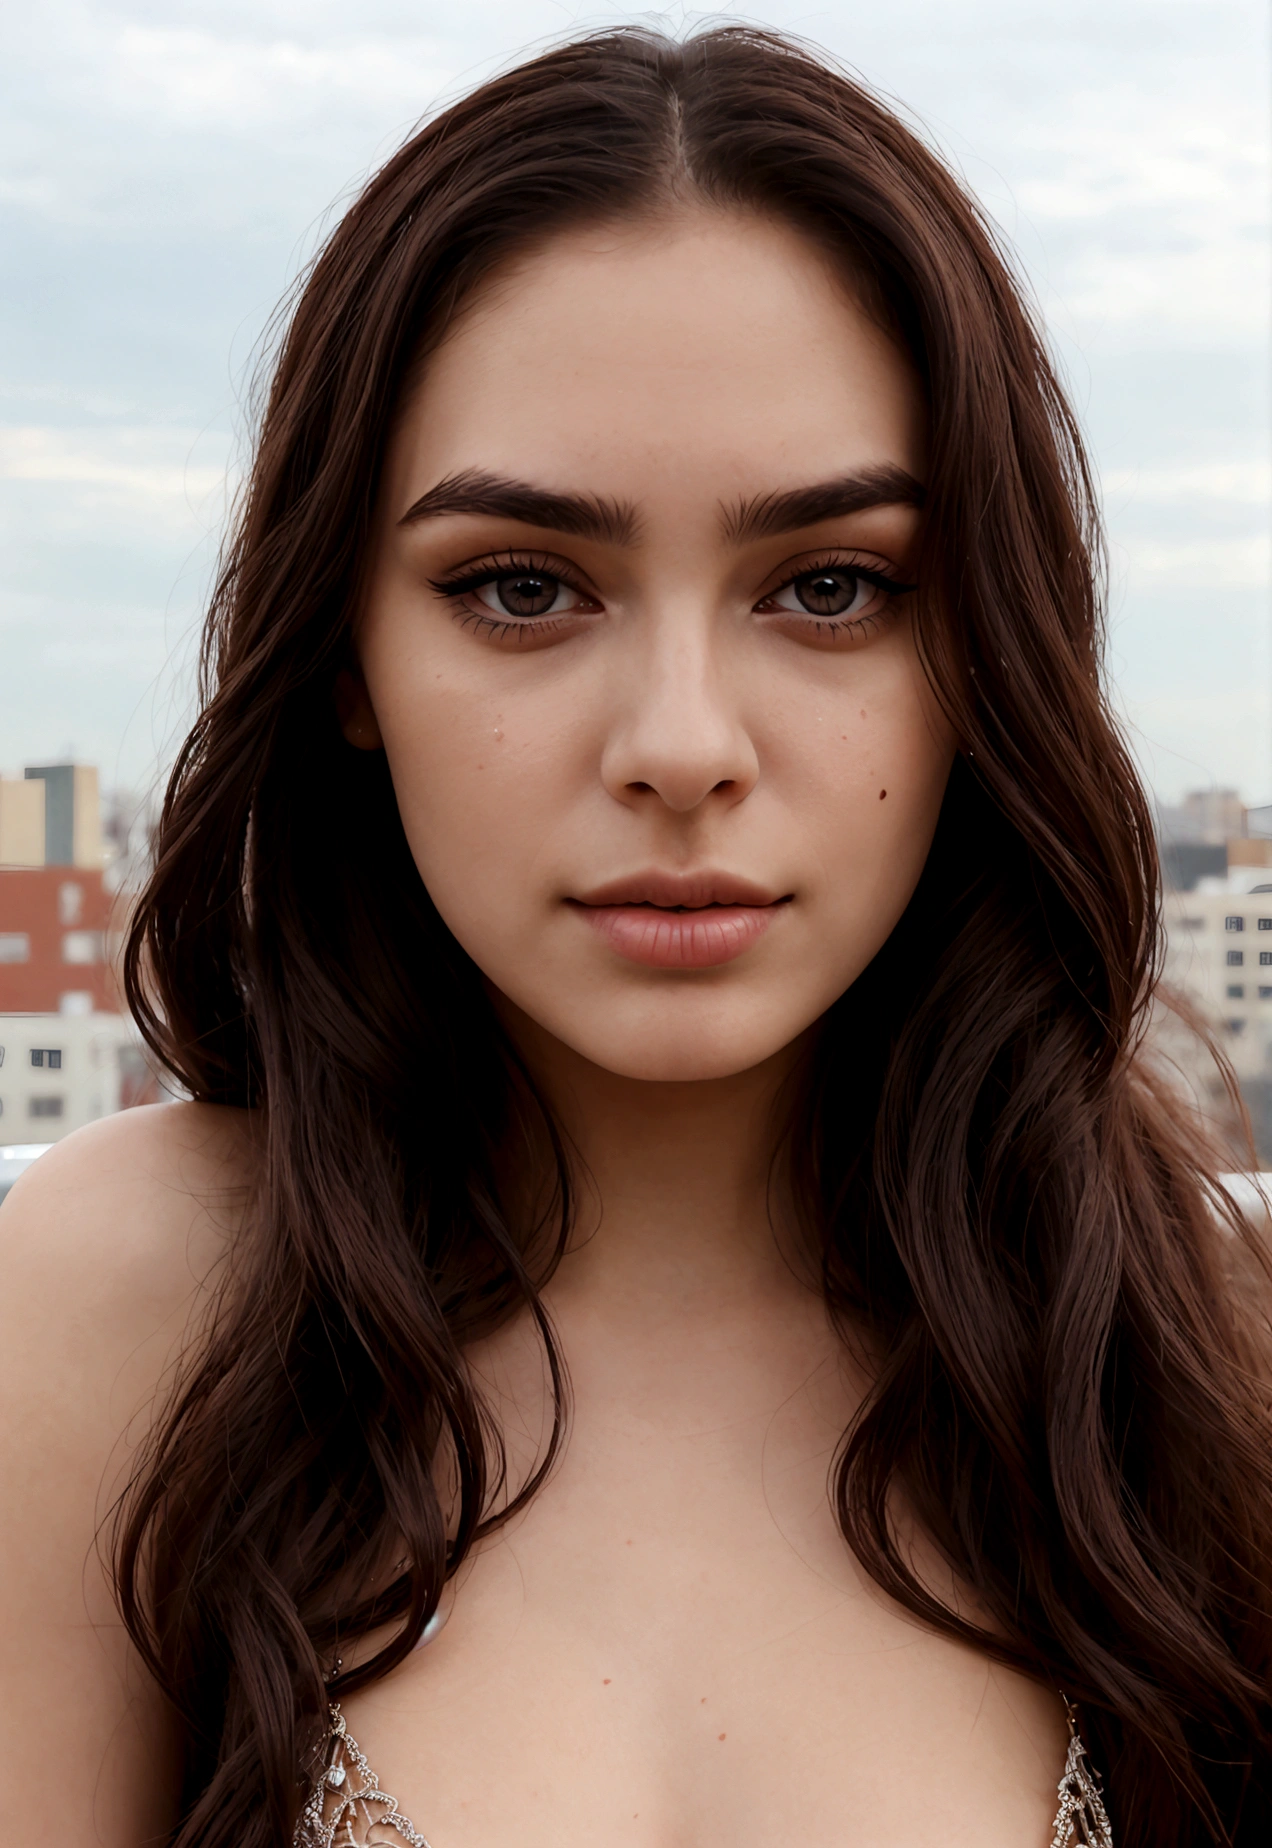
(165, 169)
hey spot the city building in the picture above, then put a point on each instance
(55, 950)
(72, 814)
(1197, 838)
(21, 821)
(1217, 918)
(56, 947)
(1205, 816)
(61, 1071)
(68, 1052)
(1219, 955)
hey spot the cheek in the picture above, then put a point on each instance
(876, 748)
(478, 789)
(870, 770)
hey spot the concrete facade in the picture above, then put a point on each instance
(1219, 955)
(72, 814)
(61, 1071)
(21, 822)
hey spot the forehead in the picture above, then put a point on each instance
(716, 349)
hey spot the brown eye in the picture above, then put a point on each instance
(525, 593)
(828, 593)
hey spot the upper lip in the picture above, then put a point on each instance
(693, 891)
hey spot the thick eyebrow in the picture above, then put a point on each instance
(768, 514)
(586, 516)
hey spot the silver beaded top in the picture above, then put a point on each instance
(347, 1809)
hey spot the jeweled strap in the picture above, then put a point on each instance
(1081, 1820)
(346, 1807)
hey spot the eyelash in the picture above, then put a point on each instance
(477, 577)
(835, 561)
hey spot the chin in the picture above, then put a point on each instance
(667, 1063)
(686, 1046)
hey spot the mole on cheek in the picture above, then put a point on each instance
(882, 794)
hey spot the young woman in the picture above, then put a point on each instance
(678, 1312)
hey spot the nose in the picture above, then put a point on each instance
(679, 734)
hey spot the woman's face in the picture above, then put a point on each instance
(637, 643)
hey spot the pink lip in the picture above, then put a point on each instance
(639, 917)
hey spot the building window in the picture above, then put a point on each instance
(47, 1058)
(46, 1106)
(1235, 1026)
(1265, 959)
(1265, 923)
(1265, 992)
(15, 946)
(1236, 991)
(82, 946)
(1198, 923)
(1236, 958)
(1234, 923)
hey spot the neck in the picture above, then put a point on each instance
(679, 1202)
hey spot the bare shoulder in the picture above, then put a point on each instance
(110, 1245)
(130, 1215)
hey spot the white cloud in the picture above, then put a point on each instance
(146, 463)
(1243, 563)
(1189, 741)
(1197, 287)
(1120, 146)
(195, 80)
(1245, 483)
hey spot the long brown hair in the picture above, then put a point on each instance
(1070, 1391)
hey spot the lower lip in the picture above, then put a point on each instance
(679, 939)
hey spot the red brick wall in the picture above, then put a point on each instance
(64, 912)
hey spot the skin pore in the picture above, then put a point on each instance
(636, 643)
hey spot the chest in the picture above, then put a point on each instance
(673, 1647)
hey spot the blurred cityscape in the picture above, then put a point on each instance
(1217, 911)
(69, 1053)
(71, 860)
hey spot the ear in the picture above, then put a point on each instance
(355, 712)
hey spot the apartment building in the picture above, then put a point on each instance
(55, 953)
(1219, 955)
(60, 1071)
(68, 1053)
